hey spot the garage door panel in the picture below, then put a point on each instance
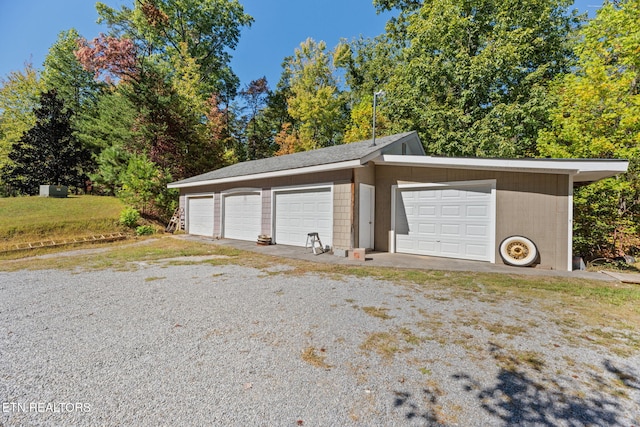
(481, 211)
(425, 245)
(427, 229)
(450, 230)
(300, 212)
(450, 248)
(477, 250)
(451, 222)
(479, 231)
(450, 210)
(242, 216)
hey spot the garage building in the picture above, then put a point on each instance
(388, 195)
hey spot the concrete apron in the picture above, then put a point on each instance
(385, 259)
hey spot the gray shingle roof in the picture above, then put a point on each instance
(328, 155)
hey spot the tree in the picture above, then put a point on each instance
(315, 102)
(368, 65)
(361, 121)
(139, 183)
(144, 186)
(109, 123)
(19, 95)
(207, 28)
(473, 76)
(64, 73)
(257, 130)
(48, 153)
(112, 165)
(109, 57)
(169, 57)
(597, 115)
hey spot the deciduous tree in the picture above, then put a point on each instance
(19, 95)
(208, 28)
(64, 73)
(597, 115)
(315, 101)
(473, 76)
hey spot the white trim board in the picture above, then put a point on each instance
(581, 170)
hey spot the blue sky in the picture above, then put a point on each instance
(29, 27)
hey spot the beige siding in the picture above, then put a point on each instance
(217, 215)
(342, 205)
(530, 204)
(342, 215)
(534, 205)
(266, 211)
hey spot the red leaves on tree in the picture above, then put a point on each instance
(216, 119)
(115, 57)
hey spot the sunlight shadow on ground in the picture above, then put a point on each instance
(519, 398)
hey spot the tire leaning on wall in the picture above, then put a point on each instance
(518, 251)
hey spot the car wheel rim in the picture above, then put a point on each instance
(518, 250)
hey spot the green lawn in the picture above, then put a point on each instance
(31, 219)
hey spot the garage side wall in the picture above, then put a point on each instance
(533, 205)
(342, 206)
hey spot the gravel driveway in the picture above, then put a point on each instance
(201, 344)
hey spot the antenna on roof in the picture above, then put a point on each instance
(375, 95)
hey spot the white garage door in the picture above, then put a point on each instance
(242, 216)
(454, 222)
(200, 216)
(301, 212)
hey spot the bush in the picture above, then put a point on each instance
(145, 230)
(129, 217)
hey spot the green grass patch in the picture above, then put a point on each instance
(121, 255)
(32, 219)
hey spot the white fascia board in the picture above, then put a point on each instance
(265, 175)
(581, 170)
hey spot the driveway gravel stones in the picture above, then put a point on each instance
(198, 343)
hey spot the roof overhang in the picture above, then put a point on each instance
(581, 170)
(274, 174)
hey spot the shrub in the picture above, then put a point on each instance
(129, 217)
(144, 230)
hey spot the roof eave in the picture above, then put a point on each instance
(274, 174)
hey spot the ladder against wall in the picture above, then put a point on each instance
(176, 221)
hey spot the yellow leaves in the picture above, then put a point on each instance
(287, 139)
(360, 127)
(315, 102)
(187, 78)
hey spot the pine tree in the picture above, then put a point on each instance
(48, 153)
